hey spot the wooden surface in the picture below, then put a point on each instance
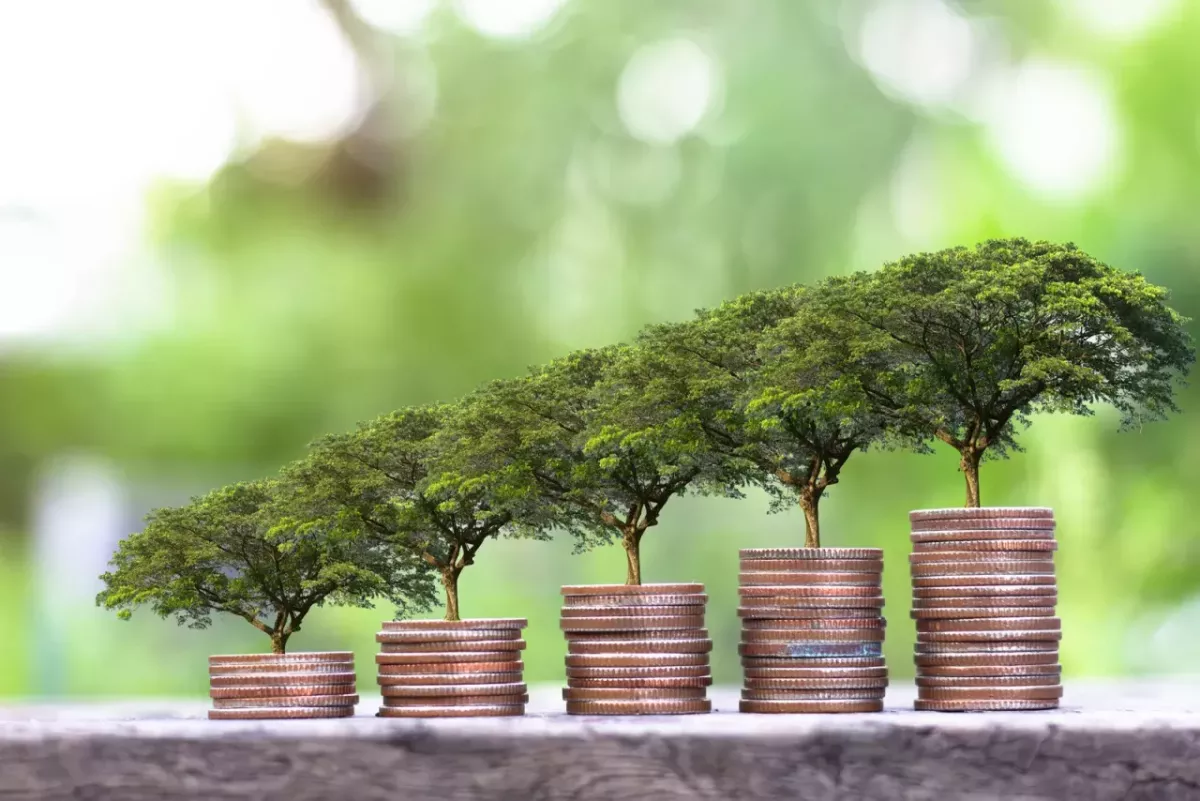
(1109, 741)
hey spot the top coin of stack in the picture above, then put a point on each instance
(984, 594)
(452, 669)
(812, 630)
(269, 686)
(636, 649)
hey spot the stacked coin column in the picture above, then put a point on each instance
(636, 650)
(452, 669)
(984, 593)
(812, 630)
(269, 686)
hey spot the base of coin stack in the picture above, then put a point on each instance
(452, 669)
(812, 630)
(318, 684)
(984, 594)
(636, 649)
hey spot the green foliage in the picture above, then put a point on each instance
(242, 550)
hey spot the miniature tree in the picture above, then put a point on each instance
(238, 550)
(779, 408)
(392, 478)
(962, 345)
(604, 462)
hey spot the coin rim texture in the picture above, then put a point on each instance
(295, 656)
(810, 553)
(809, 707)
(490, 623)
(810, 650)
(621, 660)
(447, 679)
(700, 645)
(281, 679)
(443, 657)
(447, 646)
(286, 702)
(282, 713)
(633, 693)
(1023, 545)
(490, 711)
(922, 705)
(632, 589)
(823, 662)
(442, 691)
(621, 601)
(290, 691)
(694, 706)
(449, 669)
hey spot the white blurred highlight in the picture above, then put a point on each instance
(507, 19)
(401, 17)
(1120, 19)
(666, 89)
(921, 51)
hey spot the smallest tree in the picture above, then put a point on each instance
(243, 550)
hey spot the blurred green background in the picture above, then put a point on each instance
(228, 227)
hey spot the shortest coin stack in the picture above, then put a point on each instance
(452, 669)
(636, 649)
(812, 630)
(984, 594)
(273, 686)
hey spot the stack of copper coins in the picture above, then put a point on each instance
(812, 630)
(984, 593)
(269, 686)
(452, 669)
(636, 649)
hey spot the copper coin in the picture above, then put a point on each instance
(1049, 667)
(858, 694)
(693, 646)
(986, 524)
(810, 707)
(455, 700)
(631, 611)
(284, 667)
(977, 512)
(974, 546)
(812, 635)
(632, 589)
(626, 623)
(819, 663)
(793, 613)
(442, 679)
(340, 699)
(990, 568)
(988, 636)
(281, 692)
(815, 673)
(813, 624)
(815, 684)
(1026, 693)
(824, 592)
(432, 691)
(982, 706)
(451, 669)
(961, 612)
(281, 679)
(685, 599)
(641, 706)
(602, 637)
(985, 580)
(755, 578)
(869, 566)
(1025, 680)
(1045, 589)
(451, 658)
(635, 660)
(631, 693)
(282, 713)
(947, 648)
(693, 681)
(810, 650)
(987, 602)
(811, 553)
(421, 636)
(266, 659)
(444, 646)
(490, 624)
(478, 711)
(1000, 661)
(638, 672)
(920, 538)
(939, 557)
(993, 624)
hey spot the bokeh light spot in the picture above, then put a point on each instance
(920, 50)
(665, 90)
(507, 19)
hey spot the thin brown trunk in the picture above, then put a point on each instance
(279, 642)
(969, 464)
(632, 540)
(809, 499)
(450, 584)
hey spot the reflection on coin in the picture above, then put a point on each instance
(993, 624)
(451, 645)
(631, 693)
(753, 578)
(817, 684)
(641, 706)
(281, 692)
(693, 681)
(987, 636)
(684, 599)
(441, 635)
(302, 656)
(806, 649)
(637, 672)
(1024, 680)
(424, 690)
(991, 568)
(984, 580)
(1049, 668)
(245, 669)
(813, 707)
(982, 706)
(868, 566)
(288, 701)
(632, 611)
(990, 544)
(1046, 589)
(281, 679)
(811, 553)
(797, 613)
(936, 557)
(627, 623)
(827, 621)
(692, 646)
(443, 679)
(281, 713)
(631, 589)
(749, 662)
(812, 635)
(455, 700)
(987, 661)
(946, 648)
(858, 694)
(490, 624)
(1026, 693)
(479, 711)
(935, 613)
(441, 658)
(816, 673)
(618, 660)
(452, 671)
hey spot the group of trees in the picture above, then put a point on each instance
(776, 389)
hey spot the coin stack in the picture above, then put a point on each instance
(636, 649)
(984, 593)
(452, 669)
(268, 686)
(812, 630)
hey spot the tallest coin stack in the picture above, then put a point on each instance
(984, 593)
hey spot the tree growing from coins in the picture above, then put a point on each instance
(251, 550)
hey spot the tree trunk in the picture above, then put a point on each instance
(279, 642)
(969, 464)
(450, 584)
(809, 499)
(633, 556)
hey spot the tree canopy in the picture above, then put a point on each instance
(244, 550)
